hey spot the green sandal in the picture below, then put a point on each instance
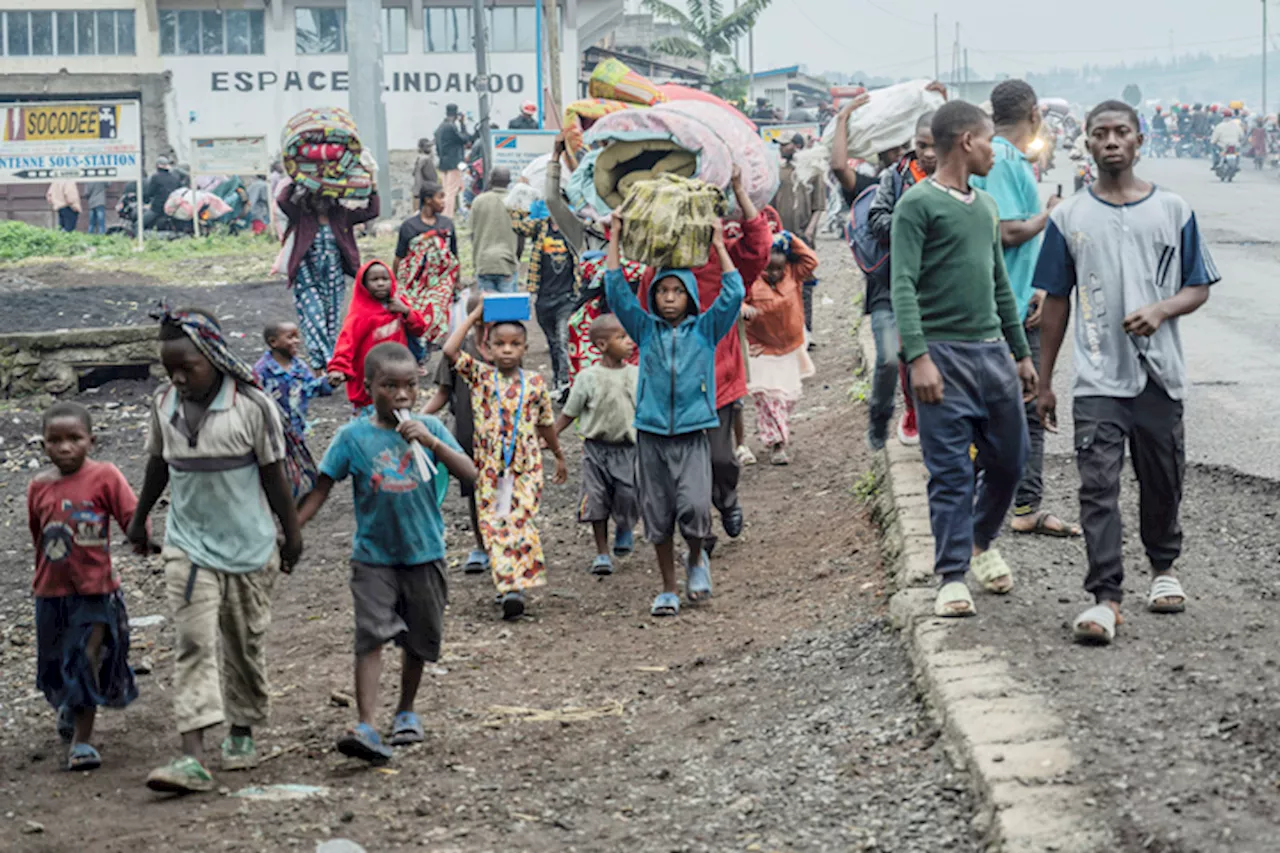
(239, 753)
(183, 775)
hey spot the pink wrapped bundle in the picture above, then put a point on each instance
(701, 139)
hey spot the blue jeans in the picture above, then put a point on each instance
(884, 380)
(97, 220)
(497, 283)
(981, 405)
(67, 218)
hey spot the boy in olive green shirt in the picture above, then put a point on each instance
(958, 322)
(603, 401)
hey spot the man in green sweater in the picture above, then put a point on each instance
(958, 323)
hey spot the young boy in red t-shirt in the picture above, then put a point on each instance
(82, 629)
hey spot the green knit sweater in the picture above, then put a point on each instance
(949, 282)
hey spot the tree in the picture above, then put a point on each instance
(708, 32)
(727, 80)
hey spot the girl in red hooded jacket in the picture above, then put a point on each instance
(376, 315)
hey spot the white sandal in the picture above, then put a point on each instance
(951, 594)
(1166, 586)
(1101, 615)
(992, 572)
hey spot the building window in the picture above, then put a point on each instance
(447, 29)
(212, 32)
(325, 30)
(395, 29)
(511, 29)
(68, 33)
(320, 30)
(42, 33)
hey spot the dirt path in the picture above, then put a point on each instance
(780, 717)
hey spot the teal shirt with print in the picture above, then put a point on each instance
(398, 522)
(1012, 183)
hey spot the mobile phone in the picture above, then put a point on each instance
(1059, 190)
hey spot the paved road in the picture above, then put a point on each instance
(1233, 343)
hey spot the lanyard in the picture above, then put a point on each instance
(508, 448)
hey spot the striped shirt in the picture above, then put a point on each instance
(218, 512)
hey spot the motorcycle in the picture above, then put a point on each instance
(1084, 173)
(163, 227)
(1228, 164)
(1184, 146)
(127, 210)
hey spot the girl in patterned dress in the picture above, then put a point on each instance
(512, 410)
(427, 266)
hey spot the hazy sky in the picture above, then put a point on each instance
(896, 38)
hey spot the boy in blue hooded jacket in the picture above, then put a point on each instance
(675, 406)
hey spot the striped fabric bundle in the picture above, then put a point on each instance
(322, 153)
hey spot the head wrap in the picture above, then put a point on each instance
(204, 331)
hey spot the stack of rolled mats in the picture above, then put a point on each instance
(322, 153)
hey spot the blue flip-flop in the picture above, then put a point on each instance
(406, 729)
(697, 586)
(364, 743)
(477, 562)
(602, 565)
(624, 543)
(666, 604)
(83, 757)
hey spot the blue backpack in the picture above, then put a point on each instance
(870, 255)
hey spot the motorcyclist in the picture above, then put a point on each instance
(1184, 120)
(1082, 158)
(1159, 131)
(1215, 116)
(1228, 134)
(1200, 126)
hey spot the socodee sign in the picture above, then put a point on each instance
(338, 81)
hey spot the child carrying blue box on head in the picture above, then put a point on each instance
(675, 406)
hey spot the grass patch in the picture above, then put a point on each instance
(867, 487)
(210, 260)
(860, 391)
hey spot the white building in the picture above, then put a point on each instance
(243, 67)
(783, 87)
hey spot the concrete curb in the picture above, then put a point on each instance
(1007, 735)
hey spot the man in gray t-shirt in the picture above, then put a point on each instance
(1133, 256)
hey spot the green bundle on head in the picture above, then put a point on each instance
(668, 221)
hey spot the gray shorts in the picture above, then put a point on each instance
(609, 484)
(400, 603)
(673, 475)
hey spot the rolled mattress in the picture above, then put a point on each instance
(692, 139)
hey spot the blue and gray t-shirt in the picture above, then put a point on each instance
(1118, 259)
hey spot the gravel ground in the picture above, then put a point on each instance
(243, 308)
(1177, 725)
(780, 717)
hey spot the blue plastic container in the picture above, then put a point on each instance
(506, 307)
